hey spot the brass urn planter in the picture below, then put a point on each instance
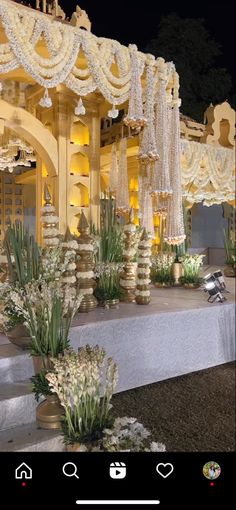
(19, 335)
(49, 413)
(177, 272)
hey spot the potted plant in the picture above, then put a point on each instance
(177, 267)
(77, 380)
(230, 251)
(108, 291)
(48, 310)
(84, 383)
(161, 269)
(23, 260)
(191, 267)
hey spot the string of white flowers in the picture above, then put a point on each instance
(122, 192)
(175, 223)
(113, 183)
(160, 184)
(143, 270)
(144, 293)
(86, 247)
(84, 275)
(143, 280)
(148, 149)
(135, 117)
(127, 283)
(87, 292)
(129, 227)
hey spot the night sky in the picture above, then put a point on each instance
(136, 22)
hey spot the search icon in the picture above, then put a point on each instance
(72, 472)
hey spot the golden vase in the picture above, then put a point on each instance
(49, 413)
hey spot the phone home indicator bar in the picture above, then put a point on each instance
(118, 502)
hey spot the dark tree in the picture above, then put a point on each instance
(189, 45)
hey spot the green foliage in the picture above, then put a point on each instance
(230, 249)
(23, 255)
(190, 46)
(73, 436)
(40, 385)
(110, 235)
(48, 328)
(191, 278)
(108, 286)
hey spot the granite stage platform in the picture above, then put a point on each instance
(177, 333)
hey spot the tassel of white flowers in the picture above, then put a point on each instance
(143, 278)
(175, 222)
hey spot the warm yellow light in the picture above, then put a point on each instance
(79, 164)
(156, 220)
(79, 133)
(44, 171)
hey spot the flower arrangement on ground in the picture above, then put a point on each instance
(161, 269)
(77, 380)
(85, 383)
(191, 266)
(108, 287)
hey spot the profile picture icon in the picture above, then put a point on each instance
(211, 470)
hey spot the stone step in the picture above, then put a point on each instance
(15, 364)
(30, 438)
(17, 404)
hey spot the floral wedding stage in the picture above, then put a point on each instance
(89, 306)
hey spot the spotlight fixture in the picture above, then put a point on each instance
(212, 286)
(220, 279)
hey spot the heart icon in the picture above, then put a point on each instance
(165, 470)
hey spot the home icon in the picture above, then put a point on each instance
(23, 472)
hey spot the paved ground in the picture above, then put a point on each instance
(194, 412)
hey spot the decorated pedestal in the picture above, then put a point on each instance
(142, 294)
(85, 266)
(49, 221)
(128, 277)
(70, 248)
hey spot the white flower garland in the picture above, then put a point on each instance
(51, 241)
(143, 281)
(64, 42)
(130, 227)
(69, 279)
(143, 260)
(49, 219)
(127, 283)
(87, 292)
(143, 270)
(144, 253)
(85, 275)
(85, 247)
(145, 293)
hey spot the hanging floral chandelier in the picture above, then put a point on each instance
(15, 152)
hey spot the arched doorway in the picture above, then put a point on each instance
(27, 127)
